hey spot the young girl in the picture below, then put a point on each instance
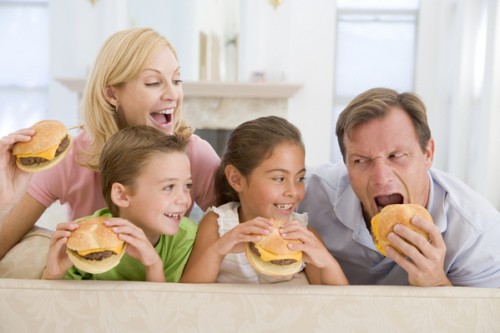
(261, 177)
(136, 80)
(146, 181)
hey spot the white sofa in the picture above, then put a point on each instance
(28, 304)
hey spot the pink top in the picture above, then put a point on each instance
(79, 187)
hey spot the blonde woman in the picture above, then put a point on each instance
(136, 80)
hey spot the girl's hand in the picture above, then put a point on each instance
(322, 267)
(313, 250)
(249, 231)
(58, 261)
(139, 247)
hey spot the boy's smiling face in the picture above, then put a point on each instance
(160, 195)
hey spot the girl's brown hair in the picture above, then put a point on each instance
(248, 145)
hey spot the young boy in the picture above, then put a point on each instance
(145, 179)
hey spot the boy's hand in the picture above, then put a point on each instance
(139, 247)
(58, 261)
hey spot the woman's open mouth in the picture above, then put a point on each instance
(163, 117)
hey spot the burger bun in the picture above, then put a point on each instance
(276, 249)
(49, 134)
(383, 223)
(94, 237)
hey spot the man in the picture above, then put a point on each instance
(388, 151)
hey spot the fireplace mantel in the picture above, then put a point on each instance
(223, 105)
(240, 89)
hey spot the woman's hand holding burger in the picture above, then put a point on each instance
(32, 150)
(13, 181)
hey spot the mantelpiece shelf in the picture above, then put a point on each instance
(263, 90)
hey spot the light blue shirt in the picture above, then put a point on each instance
(470, 226)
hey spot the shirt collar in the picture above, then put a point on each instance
(436, 203)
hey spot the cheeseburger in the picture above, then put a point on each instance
(383, 223)
(94, 247)
(47, 147)
(271, 255)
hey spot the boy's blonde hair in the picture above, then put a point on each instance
(122, 58)
(126, 153)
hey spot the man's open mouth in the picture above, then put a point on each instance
(390, 199)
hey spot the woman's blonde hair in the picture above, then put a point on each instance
(122, 58)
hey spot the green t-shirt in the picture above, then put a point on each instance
(174, 251)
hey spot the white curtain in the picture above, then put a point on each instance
(458, 75)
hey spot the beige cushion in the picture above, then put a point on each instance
(124, 306)
(31, 305)
(27, 259)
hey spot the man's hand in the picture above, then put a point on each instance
(424, 259)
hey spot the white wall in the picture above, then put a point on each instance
(294, 42)
(178, 21)
(312, 40)
(458, 76)
(77, 30)
(430, 77)
(493, 160)
(181, 21)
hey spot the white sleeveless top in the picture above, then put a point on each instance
(235, 267)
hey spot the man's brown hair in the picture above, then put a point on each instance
(377, 103)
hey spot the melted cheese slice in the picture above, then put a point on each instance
(268, 256)
(48, 154)
(116, 250)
